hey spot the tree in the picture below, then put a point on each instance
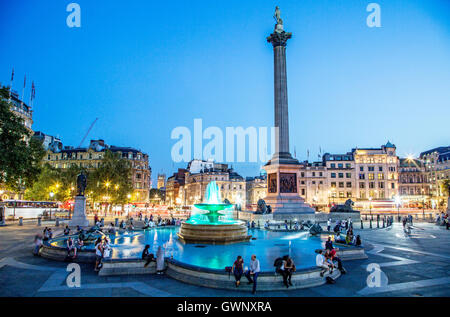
(20, 155)
(111, 181)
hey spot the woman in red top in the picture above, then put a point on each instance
(238, 269)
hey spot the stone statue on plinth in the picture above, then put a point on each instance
(79, 209)
(81, 184)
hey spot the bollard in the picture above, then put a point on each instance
(39, 221)
(370, 226)
(102, 222)
(20, 221)
(116, 222)
(57, 222)
(366, 217)
(362, 226)
(371, 217)
(383, 222)
(378, 221)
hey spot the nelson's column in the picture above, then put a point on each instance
(283, 170)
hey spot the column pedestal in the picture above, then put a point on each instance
(79, 213)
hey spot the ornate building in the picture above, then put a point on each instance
(173, 186)
(256, 188)
(376, 172)
(91, 157)
(200, 173)
(413, 181)
(437, 170)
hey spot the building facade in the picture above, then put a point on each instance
(413, 182)
(174, 187)
(256, 189)
(200, 173)
(161, 181)
(92, 156)
(437, 170)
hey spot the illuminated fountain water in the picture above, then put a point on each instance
(216, 226)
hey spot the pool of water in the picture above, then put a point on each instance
(267, 247)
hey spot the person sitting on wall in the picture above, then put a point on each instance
(335, 258)
(66, 231)
(321, 263)
(70, 246)
(358, 241)
(329, 244)
(289, 267)
(348, 239)
(78, 246)
(329, 260)
(147, 256)
(238, 270)
(338, 238)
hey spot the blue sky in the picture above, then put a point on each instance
(146, 67)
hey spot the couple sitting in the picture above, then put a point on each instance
(285, 266)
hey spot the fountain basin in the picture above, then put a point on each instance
(213, 234)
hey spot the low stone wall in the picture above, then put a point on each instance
(267, 281)
(316, 217)
(251, 216)
(126, 267)
(60, 254)
(346, 253)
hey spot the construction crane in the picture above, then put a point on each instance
(89, 130)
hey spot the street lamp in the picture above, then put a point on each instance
(398, 202)
(370, 207)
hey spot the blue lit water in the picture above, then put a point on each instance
(267, 247)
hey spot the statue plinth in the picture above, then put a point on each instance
(79, 213)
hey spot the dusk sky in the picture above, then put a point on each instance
(146, 67)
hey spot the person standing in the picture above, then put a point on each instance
(329, 244)
(238, 269)
(253, 272)
(329, 225)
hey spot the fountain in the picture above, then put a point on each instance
(215, 226)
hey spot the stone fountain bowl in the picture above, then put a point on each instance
(212, 207)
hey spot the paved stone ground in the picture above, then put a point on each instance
(416, 264)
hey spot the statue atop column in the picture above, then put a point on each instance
(277, 16)
(279, 37)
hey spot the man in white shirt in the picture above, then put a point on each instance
(252, 273)
(329, 225)
(320, 262)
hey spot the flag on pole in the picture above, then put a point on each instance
(33, 91)
(12, 75)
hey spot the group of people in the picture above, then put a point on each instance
(73, 245)
(251, 273)
(340, 225)
(329, 261)
(443, 220)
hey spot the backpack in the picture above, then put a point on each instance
(330, 280)
(277, 264)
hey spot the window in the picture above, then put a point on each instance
(313, 182)
(393, 185)
(349, 194)
(320, 174)
(380, 184)
(361, 168)
(362, 185)
(371, 184)
(349, 184)
(341, 195)
(333, 184)
(333, 175)
(341, 184)
(341, 175)
(348, 165)
(371, 168)
(303, 191)
(313, 174)
(348, 175)
(380, 176)
(380, 168)
(371, 176)
(333, 165)
(303, 174)
(340, 165)
(362, 176)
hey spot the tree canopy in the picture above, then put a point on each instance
(20, 155)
